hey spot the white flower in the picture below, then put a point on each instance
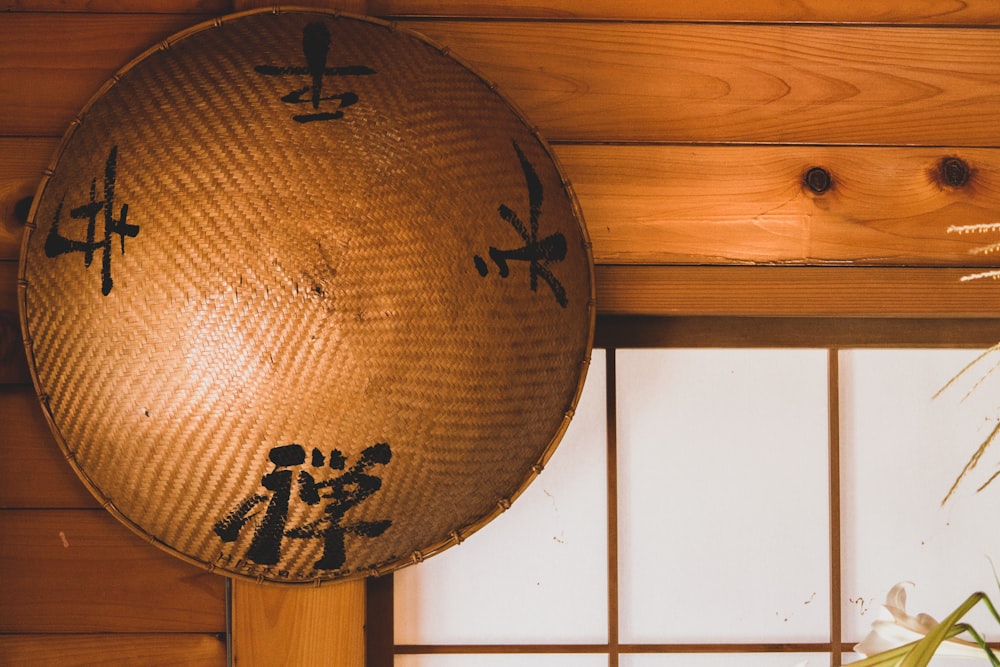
(894, 628)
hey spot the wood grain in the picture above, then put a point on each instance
(740, 83)
(123, 6)
(938, 12)
(603, 82)
(22, 161)
(13, 363)
(726, 204)
(300, 626)
(131, 650)
(763, 291)
(795, 332)
(35, 474)
(81, 571)
(746, 204)
(54, 63)
(821, 11)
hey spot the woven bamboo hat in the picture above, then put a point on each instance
(304, 297)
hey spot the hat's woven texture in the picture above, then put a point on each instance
(304, 298)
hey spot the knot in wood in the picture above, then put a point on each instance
(954, 171)
(818, 180)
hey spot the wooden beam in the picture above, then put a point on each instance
(812, 332)
(772, 291)
(299, 626)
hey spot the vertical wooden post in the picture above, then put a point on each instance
(298, 626)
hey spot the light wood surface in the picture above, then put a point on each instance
(634, 82)
(724, 204)
(301, 627)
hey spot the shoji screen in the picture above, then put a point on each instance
(725, 507)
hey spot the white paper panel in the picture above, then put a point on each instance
(723, 495)
(901, 451)
(536, 574)
(726, 660)
(510, 660)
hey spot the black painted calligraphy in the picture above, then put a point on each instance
(316, 47)
(338, 494)
(56, 244)
(538, 253)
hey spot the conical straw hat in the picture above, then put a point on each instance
(304, 297)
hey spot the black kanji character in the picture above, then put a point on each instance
(344, 491)
(316, 46)
(56, 244)
(538, 253)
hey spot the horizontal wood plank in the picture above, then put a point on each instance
(13, 362)
(35, 473)
(741, 83)
(123, 6)
(821, 11)
(599, 82)
(745, 204)
(937, 12)
(54, 63)
(81, 571)
(809, 332)
(120, 650)
(726, 204)
(22, 161)
(763, 291)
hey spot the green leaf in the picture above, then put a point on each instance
(924, 649)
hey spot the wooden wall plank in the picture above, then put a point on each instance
(300, 626)
(35, 473)
(132, 650)
(741, 83)
(81, 571)
(54, 63)
(728, 204)
(764, 291)
(733, 204)
(13, 363)
(123, 6)
(879, 11)
(350, 6)
(22, 161)
(615, 81)
(935, 12)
